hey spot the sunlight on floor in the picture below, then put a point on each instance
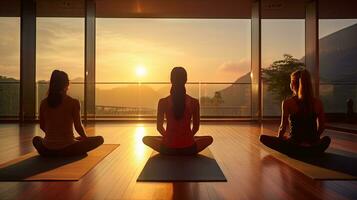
(139, 145)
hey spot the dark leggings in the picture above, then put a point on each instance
(178, 151)
(78, 148)
(289, 147)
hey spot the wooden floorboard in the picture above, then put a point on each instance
(250, 171)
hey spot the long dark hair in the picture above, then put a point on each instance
(178, 91)
(58, 82)
(305, 94)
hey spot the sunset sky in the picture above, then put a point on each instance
(211, 50)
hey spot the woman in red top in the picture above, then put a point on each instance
(178, 108)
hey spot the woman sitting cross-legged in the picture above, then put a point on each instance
(179, 108)
(306, 116)
(58, 113)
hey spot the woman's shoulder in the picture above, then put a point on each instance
(163, 103)
(318, 105)
(317, 100)
(289, 105)
(289, 101)
(70, 100)
(43, 103)
(164, 100)
(192, 100)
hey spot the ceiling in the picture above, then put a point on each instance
(238, 9)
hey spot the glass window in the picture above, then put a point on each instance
(9, 66)
(142, 52)
(60, 45)
(338, 63)
(283, 40)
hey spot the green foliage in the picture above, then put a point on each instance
(277, 76)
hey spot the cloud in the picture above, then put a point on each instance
(240, 66)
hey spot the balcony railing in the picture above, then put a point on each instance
(139, 99)
(9, 98)
(133, 99)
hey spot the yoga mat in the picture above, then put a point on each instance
(33, 167)
(332, 165)
(195, 168)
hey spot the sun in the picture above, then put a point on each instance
(140, 70)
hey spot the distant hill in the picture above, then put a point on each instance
(130, 95)
(239, 94)
(133, 95)
(338, 56)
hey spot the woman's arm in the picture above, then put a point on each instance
(42, 118)
(196, 117)
(284, 119)
(160, 117)
(320, 117)
(77, 119)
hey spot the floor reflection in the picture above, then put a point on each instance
(25, 140)
(184, 190)
(140, 131)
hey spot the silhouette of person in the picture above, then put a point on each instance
(58, 113)
(307, 120)
(179, 108)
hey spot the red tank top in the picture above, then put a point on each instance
(178, 132)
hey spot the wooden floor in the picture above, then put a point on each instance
(250, 172)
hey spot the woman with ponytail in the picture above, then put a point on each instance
(307, 119)
(179, 108)
(58, 113)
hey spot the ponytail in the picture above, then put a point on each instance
(178, 91)
(58, 82)
(304, 89)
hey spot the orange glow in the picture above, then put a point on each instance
(140, 71)
(139, 145)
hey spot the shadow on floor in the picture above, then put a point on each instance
(34, 165)
(164, 168)
(333, 159)
(345, 162)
